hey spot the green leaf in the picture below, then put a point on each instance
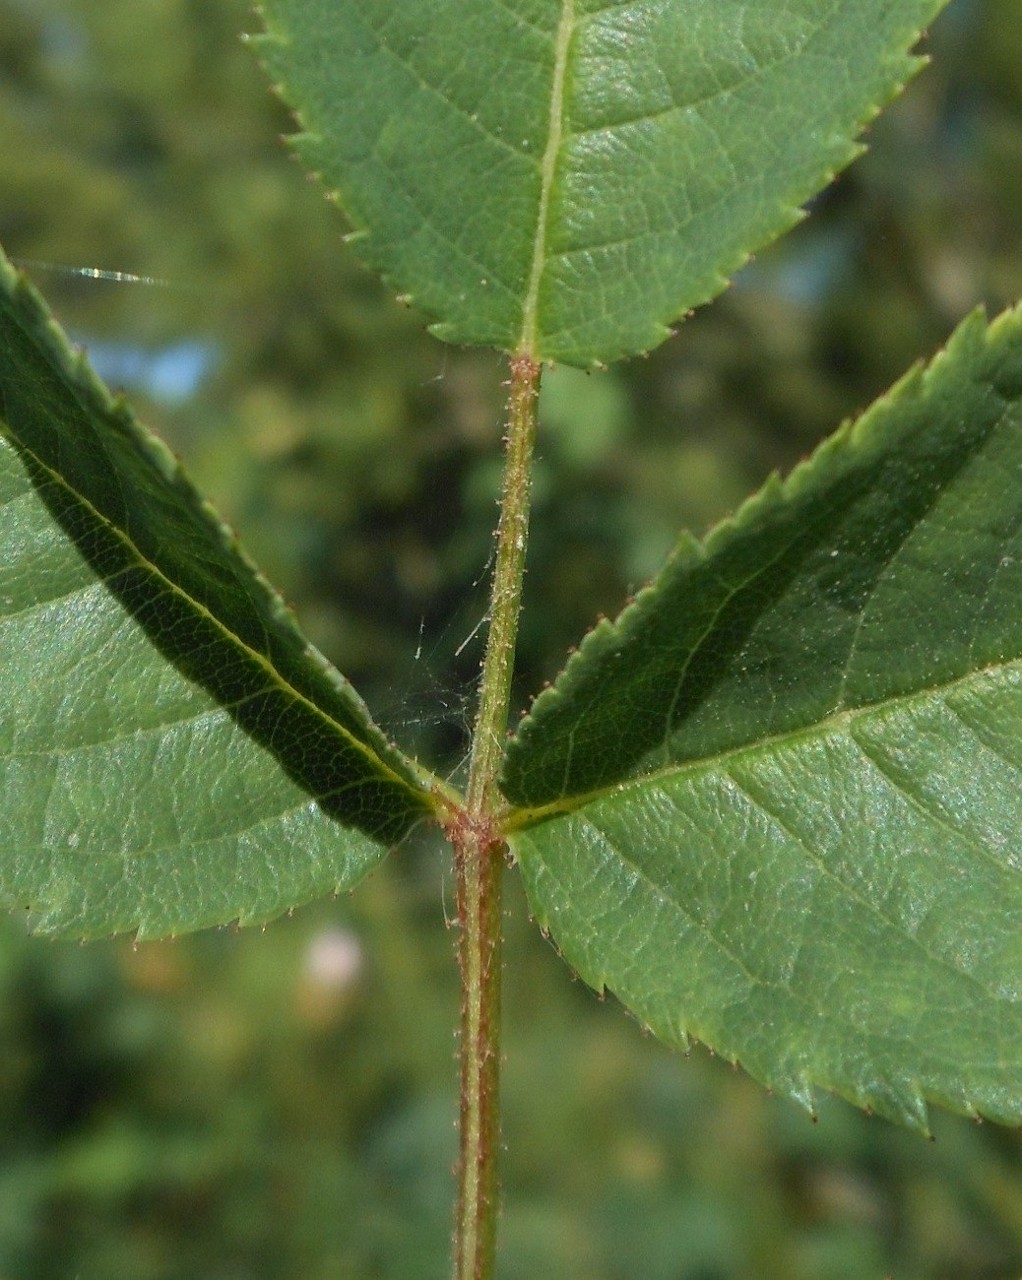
(776, 805)
(564, 178)
(173, 753)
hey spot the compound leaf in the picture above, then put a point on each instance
(777, 805)
(173, 753)
(564, 178)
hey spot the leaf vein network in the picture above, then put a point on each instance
(467, 114)
(918, 800)
(423, 218)
(980, 731)
(732, 590)
(793, 992)
(883, 577)
(521, 21)
(126, 853)
(675, 904)
(680, 220)
(102, 741)
(761, 68)
(849, 890)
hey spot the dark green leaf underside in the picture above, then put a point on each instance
(566, 177)
(172, 752)
(776, 805)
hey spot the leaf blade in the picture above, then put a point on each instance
(816, 849)
(140, 649)
(567, 179)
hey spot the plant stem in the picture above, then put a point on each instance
(479, 855)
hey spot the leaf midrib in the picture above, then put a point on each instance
(517, 818)
(548, 167)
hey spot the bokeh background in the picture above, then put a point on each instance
(280, 1103)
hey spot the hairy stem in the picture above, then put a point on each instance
(506, 591)
(479, 855)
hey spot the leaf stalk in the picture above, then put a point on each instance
(479, 852)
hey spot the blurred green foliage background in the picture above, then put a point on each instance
(281, 1103)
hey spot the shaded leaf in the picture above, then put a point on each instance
(776, 804)
(566, 177)
(173, 753)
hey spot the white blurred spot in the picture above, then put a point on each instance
(333, 959)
